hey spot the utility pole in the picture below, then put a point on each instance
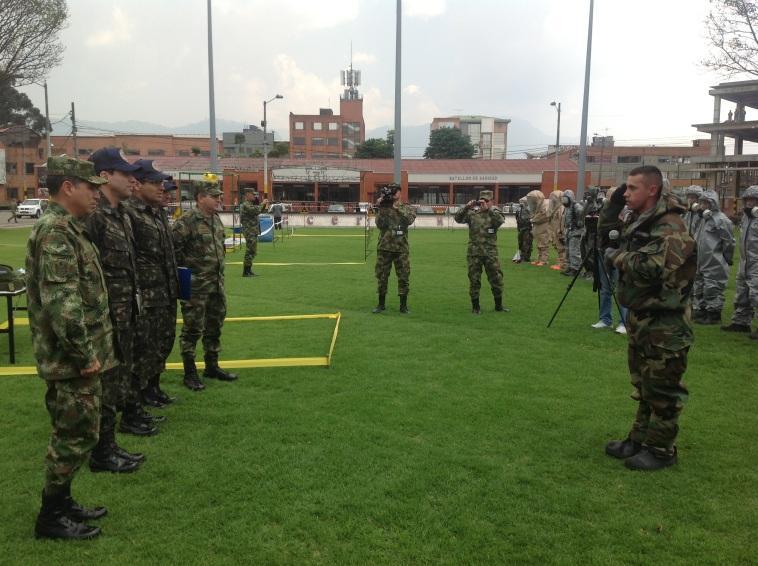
(73, 131)
(557, 143)
(47, 125)
(398, 63)
(211, 96)
(585, 109)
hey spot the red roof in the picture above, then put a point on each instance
(453, 166)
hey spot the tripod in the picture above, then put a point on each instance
(598, 265)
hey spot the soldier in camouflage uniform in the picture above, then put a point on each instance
(524, 227)
(111, 232)
(557, 234)
(72, 338)
(657, 261)
(156, 272)
(483, 221)
(250, 209)
(393, 219)
(199, 244)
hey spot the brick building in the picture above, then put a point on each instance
(21, 152)
(143, 146)
(488, 135)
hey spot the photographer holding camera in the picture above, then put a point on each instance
(393, 219)
(483, 220)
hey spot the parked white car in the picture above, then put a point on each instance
(32, 207)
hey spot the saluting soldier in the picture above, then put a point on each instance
(72, 338)
(199, 244)
(250, 210)
(483, 221)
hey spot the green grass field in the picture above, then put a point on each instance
(438, 437)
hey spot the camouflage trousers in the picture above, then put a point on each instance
(203, 316)
(491, 264)
(708, 293)
(574, 251)
(745, 299)
(154, 340)
(541, 234)
(117, 387)
(656, 375)
(74, 407)
(384, 261)
(525, 239)
(251, 249)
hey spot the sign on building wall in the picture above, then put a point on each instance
(2, 167)
(316, 174)
(506, 178)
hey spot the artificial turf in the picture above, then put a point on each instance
(436, 437)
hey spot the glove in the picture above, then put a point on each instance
(617, 197)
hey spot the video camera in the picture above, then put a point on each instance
(387, 194)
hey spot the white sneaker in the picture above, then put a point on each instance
(620, 329)
(600, 324)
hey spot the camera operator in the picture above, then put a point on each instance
(746, 291)
(483, 219)
(393, 219)
(657, 262)
(607, 277)
(574, 229)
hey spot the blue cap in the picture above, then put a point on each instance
(169, 185)
(147, 172)
(111, 158)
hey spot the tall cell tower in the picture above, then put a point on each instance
(350, 79)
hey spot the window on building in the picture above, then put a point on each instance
(299, 126)
(299, 155)
(128, 151)
(206, 153)
(664, 160)
(156, 152)
(84, 151)
(183, 153)
(317, 126)
(332, 141)
(11, 168)
(11, 193)
(29, 168)
(629, 159)
(318, 141)
(298, 141)
(333, 126)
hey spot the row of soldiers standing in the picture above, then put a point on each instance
(102, 286)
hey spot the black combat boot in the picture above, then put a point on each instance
(499, 304)
(650, 460)
(404, 304)
(109, 436)
(150, 397)
(133, 422)
(52, 521)
(622, 449)
(105, 459)
(475, 308)
(191, 379)
(149, 418)
(380, 306)
(76, 512)
(213, 371)
(160, 394)
(712, 317)
(247, 271)
(734, 327)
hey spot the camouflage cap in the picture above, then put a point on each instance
(71, 167)
(208, 189)
(250, 190)
(486, 195)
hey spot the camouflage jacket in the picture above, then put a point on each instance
(523, 219)
(249, 213)
(482, 229)
(657, 263)
(393, 226)
(68, 299)
(199, 245)
(110, 229)
(156, 264)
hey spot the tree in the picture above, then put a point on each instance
(731, 28)
(280, 149)
(375, 148)
(449, 143)
(29, 45)
(16, 108)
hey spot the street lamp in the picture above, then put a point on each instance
(557, 143)
(265, 145)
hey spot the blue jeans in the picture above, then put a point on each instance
(606, 299)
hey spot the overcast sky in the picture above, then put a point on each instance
(147, 60)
